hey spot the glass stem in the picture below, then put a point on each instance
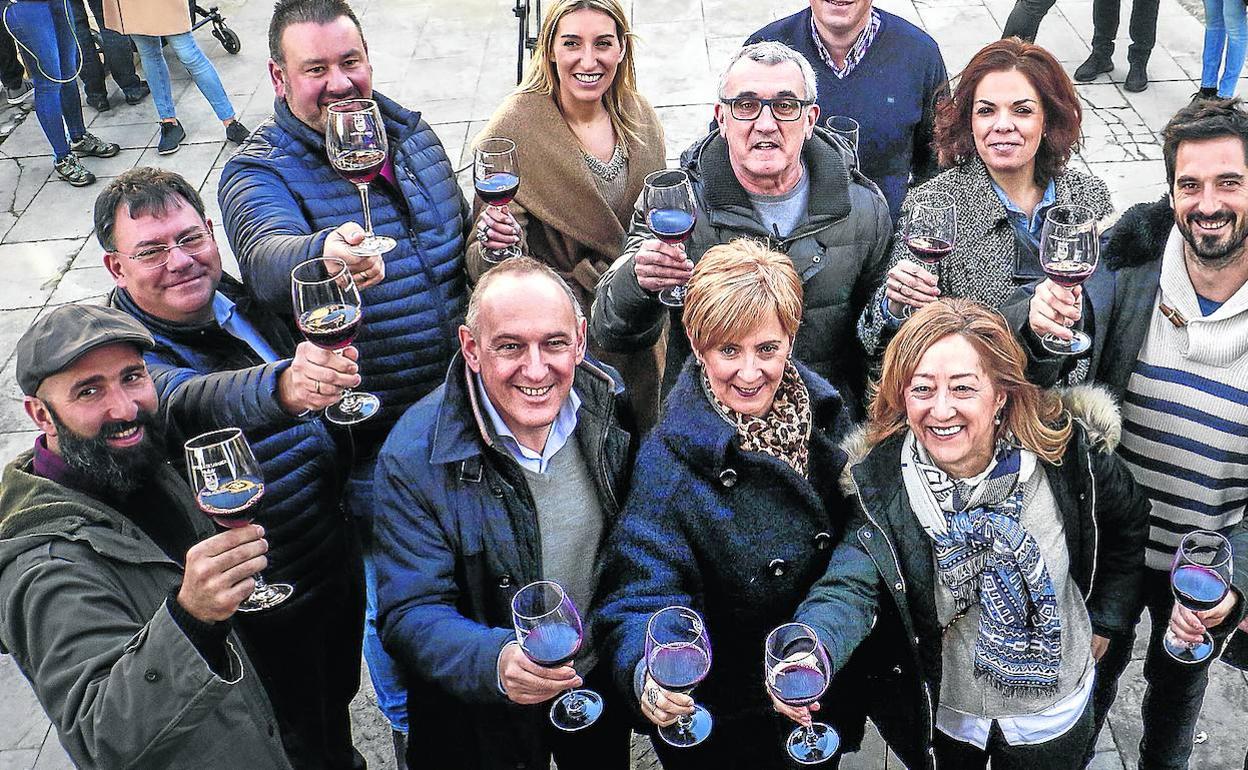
(346, 392)
(809, 736)
(685, 723)
(260, 584)
(575, 703)
(368, 217)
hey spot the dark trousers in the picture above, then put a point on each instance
(604, 745)
(118, 56)
(11, 70)
(1025, 19)
(1143, 28)
(749, 741)
(1174, 692)
(1065, 752)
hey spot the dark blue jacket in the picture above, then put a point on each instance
(739, 537)
(280, 199)
(456, 536)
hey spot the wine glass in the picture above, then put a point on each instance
(678, 657)
(355, 139)
(228, 485)
(797, 672)
(1200, 578)
(496, 177)
(548, 628)
(670, 214)
(328, 312)
(930, 231)
(845, 129)
(1069, 250)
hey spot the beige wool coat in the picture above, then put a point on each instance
(148, 17)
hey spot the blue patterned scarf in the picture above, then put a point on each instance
(986, 555)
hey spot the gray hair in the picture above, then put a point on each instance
(772, 53)
(516, 266)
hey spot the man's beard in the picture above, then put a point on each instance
(119, 471)
(1216, 251)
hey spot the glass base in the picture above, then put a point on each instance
(688, 731)
(673, 296)
(1188, 653)
(576, 710)
(266, 597)
(1077, 345)
(814, 744)
(494, 256)
(353, 407)
(373, 245)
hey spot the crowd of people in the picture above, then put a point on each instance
(544, 501)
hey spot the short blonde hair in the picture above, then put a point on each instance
(734, 286)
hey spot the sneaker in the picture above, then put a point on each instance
(19, 94)
(1095, 65)
(72, 171)
(1137, 78)
(171, 136)
(98, 102)
(92, 146)
(138, 93)
(237, 133)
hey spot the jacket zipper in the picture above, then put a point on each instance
(1096, 530)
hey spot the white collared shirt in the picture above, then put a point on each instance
(560, 430)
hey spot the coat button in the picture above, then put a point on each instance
(778, 567)
(816, 259)
(504, 580)
(898, 585)
(916, 640)
(897, 670)
(823, 541)
(496, 491)
(151, 675)
(728, 477)
(1082, 497)
(866, 533)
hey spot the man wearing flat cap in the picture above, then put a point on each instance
(115, 595)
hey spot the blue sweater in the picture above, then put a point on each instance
(891, 93)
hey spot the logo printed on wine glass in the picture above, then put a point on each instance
(359, 124)
(211, 481)
(695, 622)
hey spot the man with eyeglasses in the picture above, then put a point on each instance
(767, 171)
(219, 360)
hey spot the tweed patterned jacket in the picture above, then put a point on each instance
(983, 265)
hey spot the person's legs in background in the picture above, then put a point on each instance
(157, 72)
(92, 72)
(119, 57)
(1235, 22)
(1143, 37)
(1104, 30)
(1025, 19)
(17, 88)
(209, 83)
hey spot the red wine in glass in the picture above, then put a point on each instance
(498, 189)
(678, 657)
(670, 215)
(929, 249)
(799, 685)
(550, 633)
(359, 166)
(230, 505)
(679, 669)
(1069, 272)
(332, 326)
(356, 143)
(496, 178)
(672, 226)
(1200, 579)
(797, 672)
(552, 644)
(1069, 251)
(1199, 588)
(930, 231)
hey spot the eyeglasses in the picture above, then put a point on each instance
(192, 244)
(785, 109)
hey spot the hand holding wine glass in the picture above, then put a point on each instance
(670, 215)
(366, 268)
(1200, 579)
(219, 571)
(678, 657)
(1069, 251)
(930, 232)
(355, 140)
(496, 178)
(316, 378)
(797, 672)
(550, 633)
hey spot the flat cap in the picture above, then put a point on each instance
(63, 335)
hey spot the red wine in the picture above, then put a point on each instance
(331, 326)
(1198, 588)
(230, 504)
(671, 226)
(1069, 272)
(498, 189)
(929, 249)
(552, 644)
(798, 685)
(359, 166)
(679, 669)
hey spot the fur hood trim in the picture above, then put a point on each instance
(1140, 234)
(1092, 406)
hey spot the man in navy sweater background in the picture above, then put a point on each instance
(880, 70)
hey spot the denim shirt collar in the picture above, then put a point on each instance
(1018, 217)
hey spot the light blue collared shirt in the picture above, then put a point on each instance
(1023, 224)
(238, 326)
(560, 431)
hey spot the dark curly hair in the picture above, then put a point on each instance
(1063, 115)
(1203, 119)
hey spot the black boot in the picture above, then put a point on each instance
(1096, 64)
(400, 749)
(1137, 78)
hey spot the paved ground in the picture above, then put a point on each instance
(443, 58)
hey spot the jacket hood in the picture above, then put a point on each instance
(1140, 234)
(1092, 406)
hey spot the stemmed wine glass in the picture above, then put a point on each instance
(670, 215)
(355, 139)
(328, 311)
(496, 177)
(845, 129)
(930, 231)
(678, 657)
(1069, 250)
(1200, 578)
(549, 630)
(797, 672)
(228, 485)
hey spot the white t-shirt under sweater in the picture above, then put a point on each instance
(1185, 413)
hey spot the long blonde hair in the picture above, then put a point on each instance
(1034, 416)
(621, 99)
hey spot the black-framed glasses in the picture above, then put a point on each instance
(785, 108)
(192, 244)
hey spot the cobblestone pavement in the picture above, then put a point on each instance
(442, 57)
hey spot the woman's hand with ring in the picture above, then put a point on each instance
(663, 707)
(908, 283)
(497, 229)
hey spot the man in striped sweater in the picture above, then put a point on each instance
(1170, 322)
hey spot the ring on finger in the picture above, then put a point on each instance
(652, 695)
(318, 387)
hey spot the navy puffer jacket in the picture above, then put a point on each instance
(280, 199)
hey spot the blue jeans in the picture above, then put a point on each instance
(383, 670)
(45, 39)
(201, 69)
(1225, 27)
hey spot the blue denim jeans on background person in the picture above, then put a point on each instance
(196, 63)
(44, 33)
(1225, 28)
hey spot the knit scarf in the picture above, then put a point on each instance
(983, 553)
(784, 432)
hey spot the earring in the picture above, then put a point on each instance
(997, 420)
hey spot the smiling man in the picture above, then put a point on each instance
(766, 172)
(1169, 322)
(513, 471)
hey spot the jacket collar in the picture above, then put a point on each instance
(231, 288)
(400, 123)
(1140, 234)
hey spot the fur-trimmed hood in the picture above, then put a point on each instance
(1092, 406)
(1140, 234)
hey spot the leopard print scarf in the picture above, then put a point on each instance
(784, 432)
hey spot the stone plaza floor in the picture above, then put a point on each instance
(454, 60)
